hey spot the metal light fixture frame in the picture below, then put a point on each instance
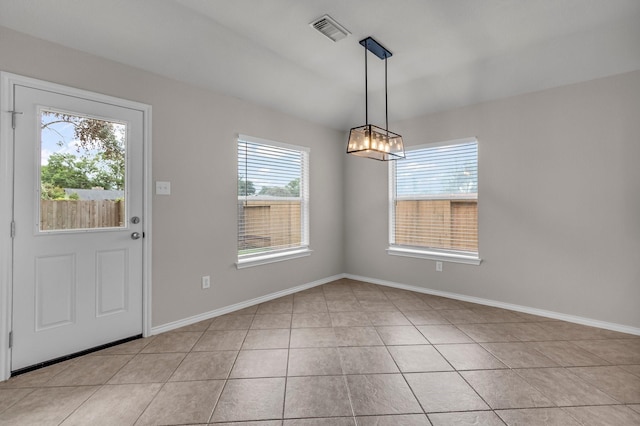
(372, 141)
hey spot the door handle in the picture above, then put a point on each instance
(136, 235)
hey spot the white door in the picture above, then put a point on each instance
(77, 251)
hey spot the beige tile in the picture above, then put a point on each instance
(479, 418)
(198, 326)
(148, 368)
(317, 319)
(538, 416)
(436, 302)
(37, 377)
(349, 319)
(418, 358)
(269, 321)
(245, 311)
(633, 369)
(469, 356)
(341, 305)
(173, 342)
(220, 340)
(489, 332)
(205, 366)
(317, 396)
(519, 355)
(232, 322)
(619, 351)
(330, 421)
(114, 405)
(260, 363)
(314, 362)
(560, 330)
(527, 331)
(635, 407)
(130, 348)
(461, 316)
(564, 388)
(568, 354)
(377, 306)
(182, 402)
(388, 318)
(313, 337)
(283, 305)
(426, 317)
(266, 339)
(401, 335)
(505, 389)
(380, 394)
(8, 397)
(357, 336)
(258, 423)
(495, 315)
(399, 420)
(415, 304)
(370, 295)
(46, 406)
(440, 392)
(616, 415)
(90, 370)
(614, 381)
(250, 399)
(307, 307)
(366, 360)
(437, 334)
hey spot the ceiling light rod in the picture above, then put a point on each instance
(371, 141)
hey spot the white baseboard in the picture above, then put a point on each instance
(488, 302)
(236, 307)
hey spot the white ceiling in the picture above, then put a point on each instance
(446, 53)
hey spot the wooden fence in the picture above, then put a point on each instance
(444, 224)
(268, 223)
(80, 214)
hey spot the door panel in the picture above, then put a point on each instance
(77, 272)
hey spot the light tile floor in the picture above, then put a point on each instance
(346, 353)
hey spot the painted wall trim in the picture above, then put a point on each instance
(488, 302)
(241, 305)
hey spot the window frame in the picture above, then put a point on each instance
(445, 255)
(278, 255)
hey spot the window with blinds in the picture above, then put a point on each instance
(434, 202)
(273, 200)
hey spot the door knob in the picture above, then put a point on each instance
(136, 236)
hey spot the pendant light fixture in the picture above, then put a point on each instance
(372, 141)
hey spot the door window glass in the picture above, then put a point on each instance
(82, 172)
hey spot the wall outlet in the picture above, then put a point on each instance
(206, 282)
(439, 266)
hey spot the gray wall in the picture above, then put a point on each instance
(194, 134)
(559, 202)
(559, 192)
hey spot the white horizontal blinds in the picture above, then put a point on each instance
(435, 197)
(272, 197)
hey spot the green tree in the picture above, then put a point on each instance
(294, 187)
(67, 171)
(245, 187)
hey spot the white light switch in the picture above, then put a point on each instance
(163, 188)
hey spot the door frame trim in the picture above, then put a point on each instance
(7, 81)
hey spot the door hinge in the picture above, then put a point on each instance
(10, 339)
(13, 118)
(13, 229)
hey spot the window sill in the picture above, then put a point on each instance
(272, 258)
(434, 255)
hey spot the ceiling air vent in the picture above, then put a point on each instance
(330, 28)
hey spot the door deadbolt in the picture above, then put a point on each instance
(135, 220)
